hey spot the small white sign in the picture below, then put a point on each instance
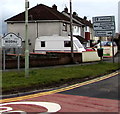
(11, 40)
(104, 33)
(104, 26)
(104, 19)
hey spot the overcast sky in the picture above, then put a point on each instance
(89, 8)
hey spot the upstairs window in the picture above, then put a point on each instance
(76, 30)
(64, 27)
(42, 43)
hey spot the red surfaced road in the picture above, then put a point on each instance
(70, 103)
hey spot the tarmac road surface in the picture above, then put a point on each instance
(104, 89)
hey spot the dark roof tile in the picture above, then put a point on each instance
(84, 21)
(40, 12)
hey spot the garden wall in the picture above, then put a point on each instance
(90, 56)
(40, 60)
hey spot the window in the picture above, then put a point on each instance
(78, 44)
(67, 44)
(64, 27)
(42, 43)
(76, 30)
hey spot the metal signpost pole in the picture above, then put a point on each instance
(113, 50)
(4, 64)
(71, 31)
(26, 40)
(18, 58)
(100, 46)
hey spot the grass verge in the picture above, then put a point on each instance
(13, 82)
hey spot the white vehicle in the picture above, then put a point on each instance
(44, 44)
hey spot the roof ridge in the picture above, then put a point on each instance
(38, 14)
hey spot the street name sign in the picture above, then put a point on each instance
(104, 33)
(104, 26)
(103, 19)
(11, 40)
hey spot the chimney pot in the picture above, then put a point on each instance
(66, 10)
(75, 14)
(54, 7)
(85, 17)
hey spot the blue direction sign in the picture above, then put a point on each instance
(103, 19)
(104, 26)
(104, 33)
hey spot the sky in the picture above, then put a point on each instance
(89, 8)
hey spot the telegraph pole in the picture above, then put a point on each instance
(71, 32)
(26, 40)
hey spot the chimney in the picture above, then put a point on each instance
(90, 21)
(85, 18)
(54, 7)
(66, 10)
(75, 14)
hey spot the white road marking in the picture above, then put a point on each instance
(51, 107)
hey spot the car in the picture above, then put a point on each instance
(105, 43)
(107, 48)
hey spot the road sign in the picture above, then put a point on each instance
(104, 26)
(104, 33)
(11, 40)
(103, 19)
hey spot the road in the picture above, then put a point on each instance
(96, 95)
(103, 89)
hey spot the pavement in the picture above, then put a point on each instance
(115, 59)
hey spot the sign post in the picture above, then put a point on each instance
(18, 58)
(4, 59)
(104, 26)
(113, 50)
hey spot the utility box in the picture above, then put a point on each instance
(100, 52)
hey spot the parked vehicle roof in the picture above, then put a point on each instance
(55, 37)
(106, 43)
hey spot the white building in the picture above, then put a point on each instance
(119, 16)
(45, 21)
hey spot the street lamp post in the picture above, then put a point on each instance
(71, 32)
(26, 40)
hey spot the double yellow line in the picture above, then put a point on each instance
(61, 89)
